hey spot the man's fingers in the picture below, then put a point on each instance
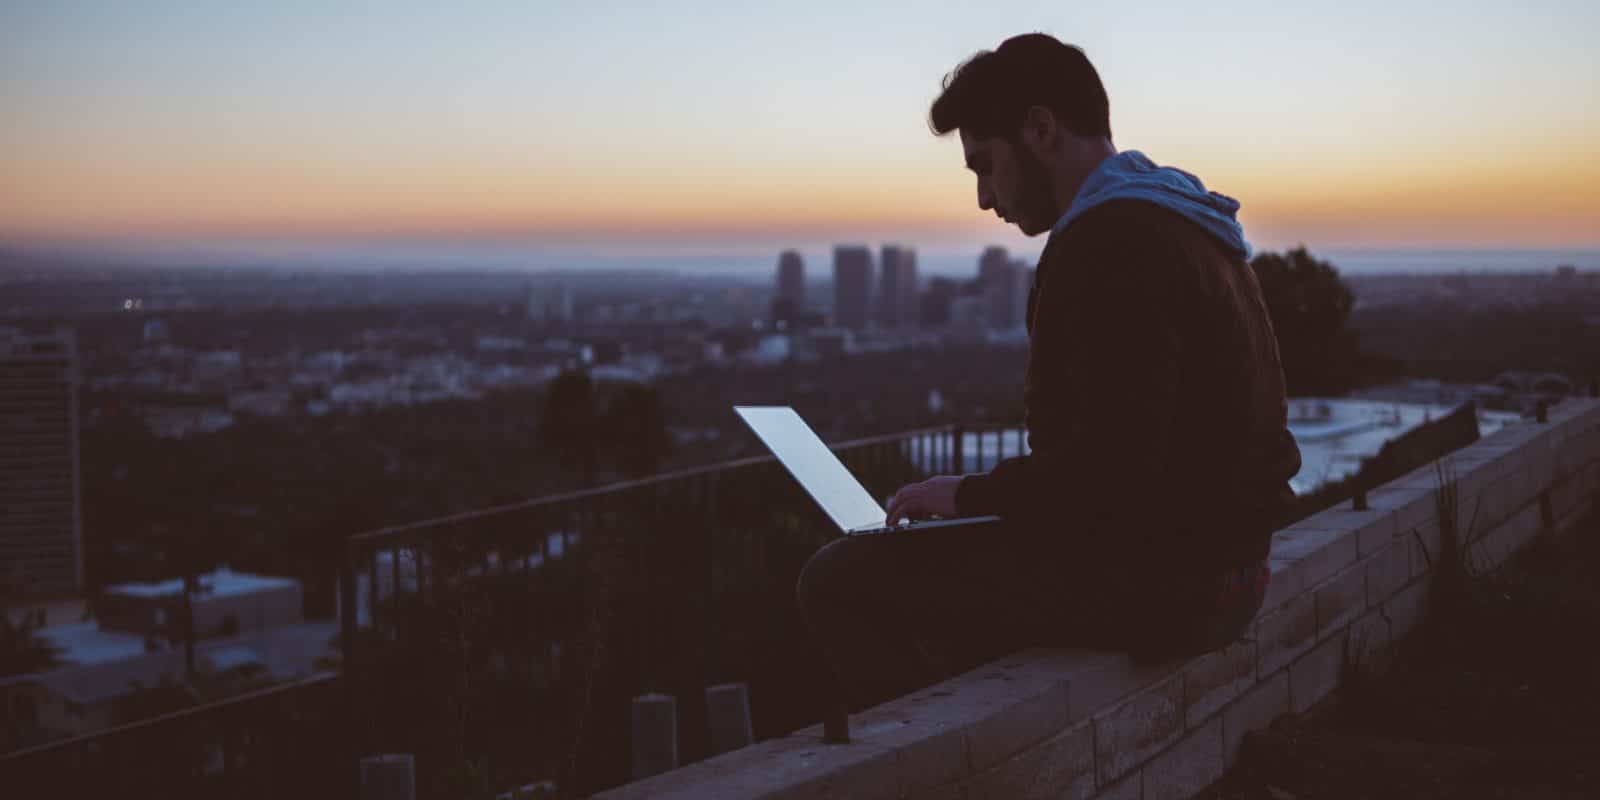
(900, 504)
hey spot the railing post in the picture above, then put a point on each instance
(836, 722)
(347, 659)
(728, 718)
(958, 453)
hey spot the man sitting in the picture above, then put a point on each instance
(1154, 404)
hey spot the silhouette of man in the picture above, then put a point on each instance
(1160, 454)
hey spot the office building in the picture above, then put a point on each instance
(998, 277)
(852, 286)
(792, 280)
(41, 542)
(897, 287)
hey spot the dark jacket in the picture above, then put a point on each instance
(1154, 402)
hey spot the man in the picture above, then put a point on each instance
(1154, 403)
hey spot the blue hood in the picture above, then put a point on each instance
(1129, 175)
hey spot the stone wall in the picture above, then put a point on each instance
(1346, 585)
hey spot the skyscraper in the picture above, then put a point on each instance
(792, 279)
(41, 549)
(852, 286)
(998, 277)
(897, 286)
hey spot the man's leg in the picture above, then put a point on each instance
(896, 612)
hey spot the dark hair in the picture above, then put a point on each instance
(991, 92)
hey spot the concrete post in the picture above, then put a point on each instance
(728, 716)
(391, 777)
(655, 734)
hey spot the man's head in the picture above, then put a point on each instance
(1034, 122)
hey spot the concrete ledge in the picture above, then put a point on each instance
(1346, 586)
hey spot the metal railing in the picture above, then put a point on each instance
(508, 641)
(570, 605)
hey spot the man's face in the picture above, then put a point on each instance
(1012, 182)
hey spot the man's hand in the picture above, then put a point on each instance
(934, 497)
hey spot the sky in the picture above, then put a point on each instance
(612, 127)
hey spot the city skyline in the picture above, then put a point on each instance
(607, 128)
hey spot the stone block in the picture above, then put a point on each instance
(1000, 708)
(1485, 509)
(1313, 555)
(929, 751)
(1129, 788)
(1370, 646)
(949, 791)
(1129, 734)
(1387, 571)
(1406, 610)
(1254, 711)
(1188, 767)
(1316, 674)
(1424, 548)
(1341, 599)
(1062, 766)
(1510, 536)
(807, 769)
(790, 767)
(1371, 523)
(1100, 680)
(1283, 635)
(1285, 582)
(1564, 496)
(1215, 679)
(1408, 507)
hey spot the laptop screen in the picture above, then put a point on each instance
(814, 466)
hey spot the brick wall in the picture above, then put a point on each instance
(1346, 586)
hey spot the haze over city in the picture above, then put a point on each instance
(698, 134)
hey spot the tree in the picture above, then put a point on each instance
(1310, 306)
(637, 427)
(568, 424)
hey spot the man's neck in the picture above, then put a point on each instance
(1076, 170)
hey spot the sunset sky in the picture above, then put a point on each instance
(737, 124)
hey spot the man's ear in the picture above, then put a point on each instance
(1040, 133)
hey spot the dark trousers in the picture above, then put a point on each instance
(896, 612)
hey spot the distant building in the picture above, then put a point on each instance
(897, 286)
(41, 540)
(998, 276)
(852, 286)
(935, 310)
(550, 305)
(792, 280)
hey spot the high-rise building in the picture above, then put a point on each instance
(935, 310)
(998, 278)
(852, 286)
(550, 305)
(897, 286)
(792, 279)
(41, 542)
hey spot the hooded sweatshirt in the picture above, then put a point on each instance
(1154, 397)
(1129, 175)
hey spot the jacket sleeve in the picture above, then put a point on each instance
(1103, 370)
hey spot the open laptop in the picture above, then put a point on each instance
(825, 478)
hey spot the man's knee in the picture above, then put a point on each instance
(830, 578)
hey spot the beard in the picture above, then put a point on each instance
(1037, 212)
